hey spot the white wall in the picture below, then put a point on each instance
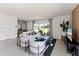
(57, 30)
(41, 21)
(8, 28)
(29, 25)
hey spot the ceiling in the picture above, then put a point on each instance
(28, 11)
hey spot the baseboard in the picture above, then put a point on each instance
(8, 39)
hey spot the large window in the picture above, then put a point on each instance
(42, 26)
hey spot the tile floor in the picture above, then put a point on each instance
(9, 48)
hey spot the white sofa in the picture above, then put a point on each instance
(36, 47)
(24, 40)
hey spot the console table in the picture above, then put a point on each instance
(70, 45)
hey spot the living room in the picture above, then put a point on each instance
(26, 19)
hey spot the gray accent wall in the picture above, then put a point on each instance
(22, 24)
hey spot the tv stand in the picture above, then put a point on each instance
(70, 46)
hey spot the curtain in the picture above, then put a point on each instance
(50, 28)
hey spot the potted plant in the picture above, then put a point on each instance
(64, 26)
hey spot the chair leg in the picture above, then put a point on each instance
(29, 50)
(25, 46)
(38, 50)
(29, 47)
(19, 43)
(72, 54)
(25, 49)
(20, 46)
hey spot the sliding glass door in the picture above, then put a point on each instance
(41, 25)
